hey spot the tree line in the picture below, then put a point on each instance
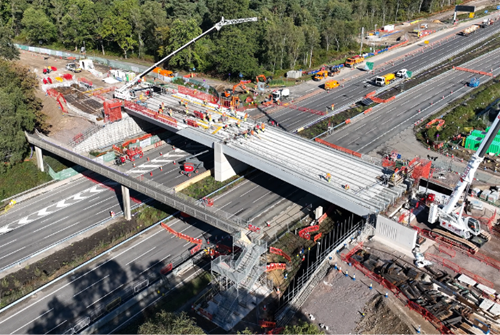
(290, 34)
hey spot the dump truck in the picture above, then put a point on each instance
(320, 75)
(353, 61)
(331, 84)
(469, 30)
(402, 73)
(384, 80)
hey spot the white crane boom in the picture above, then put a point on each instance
(122, 91)
(473, 164)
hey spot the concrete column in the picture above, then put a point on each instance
(39, 159)
(225, 167)
(126, 203)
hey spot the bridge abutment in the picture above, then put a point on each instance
(225, 167)
(127, 213)
(39, 159)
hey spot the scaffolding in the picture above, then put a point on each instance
(238, 282)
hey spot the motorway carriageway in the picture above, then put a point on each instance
(46, 219)
(292, 119)
(53, 309)
(387, 120)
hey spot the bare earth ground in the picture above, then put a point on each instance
(62, 127)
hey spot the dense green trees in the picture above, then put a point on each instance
(19, 110)
(170, 323)
(289, 34)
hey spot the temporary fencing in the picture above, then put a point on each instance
(148, 112)
(339, 148)
(446, 250)
(275, 266)
(317, 237)
(305, 233)
(181, 235)
(280, 252)
(59, 98)
(276, 330)
(473, 71)
(253, 228)
(458, 269)
(267, 324)
(197, 94)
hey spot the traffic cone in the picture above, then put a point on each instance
(340, 269)
(371, 286)
(346, 273)
(151, 173)
(161, 154)
(133, 164)
(419, 330)
(335, 266)
(161, 168)
(386, 295)
(354, 277)
(148, 159)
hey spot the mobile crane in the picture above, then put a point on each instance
(466, 230)
(124, 91)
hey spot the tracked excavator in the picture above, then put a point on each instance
(452, 224)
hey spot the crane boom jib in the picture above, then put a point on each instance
(121, 92)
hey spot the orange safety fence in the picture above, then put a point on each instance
(339, 148)
(446, 250)
(398, 45)
(280, 252)
(304, 233)
(317, 237)
(368, 110)
(473, 71)
(86, 81)
(275, 266)
(458, 269)
(180, 235)
(197, 94)
(267, 324)
(146, 111)
(166, 269)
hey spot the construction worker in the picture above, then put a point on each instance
(263, 127)
(209, 117)
(346, 187)
(162, 105)
(333, 106)
(238, 124)
(252, 133)
(245, 117)
(170, 112)
(328, 177)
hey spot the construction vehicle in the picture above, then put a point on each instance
(323, 74)
(279, 95)
(486, 22)
(191, 164)
(331, 84)
(384, 80)
(261, 76)
(469, 30)
(123, 92)
(73, 67)
(131, 154)
(403, 73)
(464, 230)
(474, 82)
(353, 61)
(334, 70)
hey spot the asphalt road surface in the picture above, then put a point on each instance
(258, 197)
(37, 223)
(353, 90)
(387, 120)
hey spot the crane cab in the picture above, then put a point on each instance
(473, 225)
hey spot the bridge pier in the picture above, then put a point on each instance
(225, 167)
(39, 159)
(127, 213)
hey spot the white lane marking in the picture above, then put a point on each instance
(253, 188)
(141, 255)
(226, 204)
(97, 282)
(57, 326)
(107, 209)
(11, 254)
(38, 317)
(64, 218)
(100, 202)
(161, 260)
(261, 197)
(71, 282)
(104, 296)
(60, 230)
(3, 245)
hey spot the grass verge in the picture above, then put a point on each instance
(208, 185)
(21, 177)
(33, 276)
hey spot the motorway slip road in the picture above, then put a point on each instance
(353, 90)
(387, 120)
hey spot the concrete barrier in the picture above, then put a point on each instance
(395, 234)
(193, 180)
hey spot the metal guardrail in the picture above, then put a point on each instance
(216, 217)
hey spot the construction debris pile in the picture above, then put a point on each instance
(451, 304)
